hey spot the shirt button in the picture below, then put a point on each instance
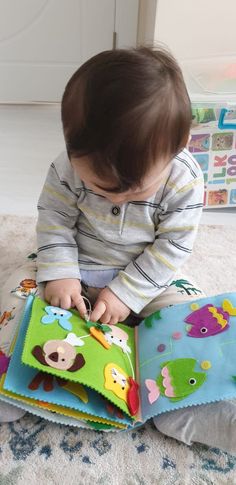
(115, 210)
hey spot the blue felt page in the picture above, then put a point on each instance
(19, 376)
(43, 413)
(167, 338)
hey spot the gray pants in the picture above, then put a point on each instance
(210, 424)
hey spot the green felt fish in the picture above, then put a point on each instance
(176, 381)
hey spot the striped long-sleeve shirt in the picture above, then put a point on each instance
(147, 241)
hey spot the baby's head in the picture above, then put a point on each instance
(125, 115)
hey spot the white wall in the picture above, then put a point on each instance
(197, 28)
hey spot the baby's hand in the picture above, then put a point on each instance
(109, 308)
(65, 294)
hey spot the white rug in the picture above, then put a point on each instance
(37, 452)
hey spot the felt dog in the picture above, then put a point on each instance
(60, 354)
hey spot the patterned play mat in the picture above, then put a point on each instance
(36, 452)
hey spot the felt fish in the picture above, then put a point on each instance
(177, 380)
(209, 320)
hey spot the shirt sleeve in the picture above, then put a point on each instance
(56, 226)
(152, 271)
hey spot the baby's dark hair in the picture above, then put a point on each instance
(126, 109)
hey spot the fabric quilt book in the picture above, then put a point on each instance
(116, 377)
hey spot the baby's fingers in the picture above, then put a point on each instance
(79, 304)
(65, 302)
(113, 321)
(98, 311)
(54, 300)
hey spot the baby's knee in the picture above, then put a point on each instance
(212, 424)
(9, 413)
(179, 425)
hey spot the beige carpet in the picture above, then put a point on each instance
(37, 452)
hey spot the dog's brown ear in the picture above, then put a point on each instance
(78, 363)
(39, 355)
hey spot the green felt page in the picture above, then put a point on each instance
(97, 367)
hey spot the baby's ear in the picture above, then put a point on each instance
(78, 363)
(39, 354)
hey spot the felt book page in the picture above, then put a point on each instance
(100, 357)
(45, 391)
(187, 355)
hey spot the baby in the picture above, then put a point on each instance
(120, 209)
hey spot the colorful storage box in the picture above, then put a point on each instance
(213, 143)
(213, 133)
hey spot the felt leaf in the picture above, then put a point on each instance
(151, 319)
(105, 328)
(99, 426)
(77, 389)
(148, 321)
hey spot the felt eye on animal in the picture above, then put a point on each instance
(192, 381)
